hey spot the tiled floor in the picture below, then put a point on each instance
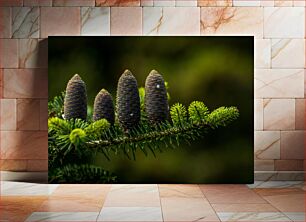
(261, 201)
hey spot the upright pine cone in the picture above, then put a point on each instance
(128, 104)
(156, 102)
(104, 107)
(75, 103)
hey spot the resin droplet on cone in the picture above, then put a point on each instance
(156, 102)
(104, 107)
(128, 104)
(75, 103)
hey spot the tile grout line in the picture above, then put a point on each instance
(104, 202)
(161, 209)
(209, 203)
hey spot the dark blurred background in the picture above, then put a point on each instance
(216, 70)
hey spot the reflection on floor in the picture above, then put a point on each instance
(261, 201)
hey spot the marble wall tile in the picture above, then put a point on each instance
(232, 21)
(171, 21)
(8, 114)
(37, 2)
(25, 83)
(187, 209)
(289, 165)
(186, 3)
(300, 114)
(264, 165)
(118, 3)
(5, 3)
(283, 50)
(130, 214)
(267, 145)
(279, 114)
(284, 3)
(74, 3)
(37, 165)
(5, 22)
(1, 84)
(24, 144)
(8, 53)
(266, 3)
(13, 165)
(284, 22)
(60, 21)
(25, 22)
(305, 82)
(220, 3)
(279, 83)
(292, 144)
(279, 176)
(258, 115)
(28, 114)
(163, 3)
(146, 2)
(95, 21)
(43, 114)
(33, 53)
(263, 53)
(237, 3)
(122, 26)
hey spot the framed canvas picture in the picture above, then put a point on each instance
(151, 109)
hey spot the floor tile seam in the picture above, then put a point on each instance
(209, 203)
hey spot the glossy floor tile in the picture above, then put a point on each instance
(230, 194)
(63, 216)
(130, 214)
(271, 201)
(253, 216)
(18, 208)
(133, 196)
(26, 189)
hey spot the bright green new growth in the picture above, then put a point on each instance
(97, 128)
(197, 112)
(77, 136)
(178, 114)
(222, 116)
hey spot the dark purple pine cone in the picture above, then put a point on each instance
(156, 102)
(104, 107)
(128, 103)
(75, 103)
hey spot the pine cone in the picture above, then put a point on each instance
(128, 104)
(75, 103)
(104, 107)
(156, 102)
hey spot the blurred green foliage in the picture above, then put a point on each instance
(216, 70)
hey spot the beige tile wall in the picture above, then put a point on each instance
(278, 27)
